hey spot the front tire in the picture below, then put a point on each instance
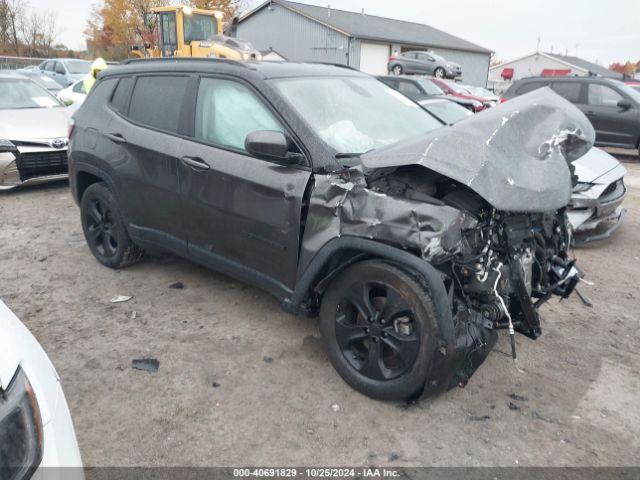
(104, 228)
(379, 325)
(439, 72)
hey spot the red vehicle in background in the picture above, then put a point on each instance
(635, 84)
(452, 88)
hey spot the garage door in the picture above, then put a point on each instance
(374, 58)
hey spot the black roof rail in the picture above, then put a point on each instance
(339, 65)
(130, 61)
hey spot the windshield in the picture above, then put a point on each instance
(430, 88)
(18, 93)
(199, 27)
(448, 112)
(355, 115)
(633, 93)
(78, 66)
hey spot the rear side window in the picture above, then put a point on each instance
(530, 87)
(120, 99)
(227, 112)
(157, 100)
(568, 90)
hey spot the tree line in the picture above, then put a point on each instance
(25, 31)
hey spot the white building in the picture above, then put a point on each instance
(543, 64)
(310, 33)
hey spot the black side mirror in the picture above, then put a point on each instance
(270, 145)
(624, 104)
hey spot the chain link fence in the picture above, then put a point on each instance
(14, 63)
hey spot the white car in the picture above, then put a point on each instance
(73, 94)
(596, 210)
(36, 431)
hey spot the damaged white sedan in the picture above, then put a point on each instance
(596, 210)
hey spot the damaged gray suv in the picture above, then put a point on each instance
(414, 242)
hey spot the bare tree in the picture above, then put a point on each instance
(39, 31)
(11, 18)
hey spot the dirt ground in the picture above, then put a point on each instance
(242, 383)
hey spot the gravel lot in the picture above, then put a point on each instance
(242, 383)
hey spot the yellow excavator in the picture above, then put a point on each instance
(182, 31)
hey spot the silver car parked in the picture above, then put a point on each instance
(33, 133)
(424, 63)
(596, 209)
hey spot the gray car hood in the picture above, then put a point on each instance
(595, 164)
(515, 155)
(24, 124)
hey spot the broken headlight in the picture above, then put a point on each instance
(21, 432)
(582, 187)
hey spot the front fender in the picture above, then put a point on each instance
(432, 277)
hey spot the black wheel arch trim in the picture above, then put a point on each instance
(400, 258)
(79, 167)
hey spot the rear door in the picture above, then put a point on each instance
(614, 126)
(146, 131)
(244, 213)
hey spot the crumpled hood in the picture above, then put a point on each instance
(34, 123)
(515, 155)
(594, 164)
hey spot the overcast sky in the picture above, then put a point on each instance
(597, 30)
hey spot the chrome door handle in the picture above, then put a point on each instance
(196, 163)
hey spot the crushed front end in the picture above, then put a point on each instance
(507, 174)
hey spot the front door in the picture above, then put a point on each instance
(243, 213)
(614, 125)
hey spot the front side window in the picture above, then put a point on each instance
(227, 111)
(18, 93)
(603, 96)
(79, 87)
(157, 100)
(354, 114)
(568, 90)
(198, 27)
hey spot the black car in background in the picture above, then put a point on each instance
(612, 106)
(420, 88)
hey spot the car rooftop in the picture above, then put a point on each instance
(212, 65)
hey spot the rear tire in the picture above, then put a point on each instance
(380, 329)
(104, 228)
(397, 70)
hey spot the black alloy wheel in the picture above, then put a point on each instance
(104, 228)
(101, 229)
(376, 331)
(379, 325)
